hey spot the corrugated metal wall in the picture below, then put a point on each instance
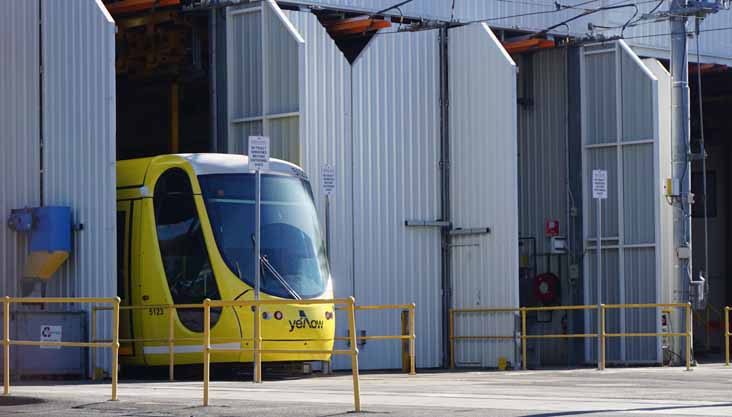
(79, 123)
(483, 190)
(625, 143)
(75, 45)
(649, 37)
(263, 96)
(386, 154)
(326, 138)
(396, 178)
(19, 131)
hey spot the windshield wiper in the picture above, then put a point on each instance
(265, 263)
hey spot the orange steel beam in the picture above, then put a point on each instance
(527, 45)
(131, 6)
(355, 25)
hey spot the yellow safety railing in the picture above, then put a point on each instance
(451, 324)
(524, 336)
(726, 336)
(171, 340)
(687, 334)
(112, 344)
(601, 336)
(404, 337)
(258, 350)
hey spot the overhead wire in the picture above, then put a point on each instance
(395, 6)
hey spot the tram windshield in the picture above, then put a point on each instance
(292, 249)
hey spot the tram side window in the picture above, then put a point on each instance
(183, 249)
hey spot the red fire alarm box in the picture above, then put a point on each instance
(551, 228)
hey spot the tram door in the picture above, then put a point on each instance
(124, 227)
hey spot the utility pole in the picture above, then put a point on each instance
(680, 148)
(679, 186)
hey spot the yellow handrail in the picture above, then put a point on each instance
(601, 335)
(410, 337)
(686, 334)
(113, 344)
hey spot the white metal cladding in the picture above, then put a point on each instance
(264, 56)
(648, 38)
(326, 138)
(668, 289)
(79, 144)
(19, 132)
(626, 144)
(395, 178)
(483, 190)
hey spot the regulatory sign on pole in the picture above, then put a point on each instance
(599, 184)
(328, 179)
(258, 152)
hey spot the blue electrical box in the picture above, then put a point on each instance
(50, 237)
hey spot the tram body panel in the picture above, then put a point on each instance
(288, 326)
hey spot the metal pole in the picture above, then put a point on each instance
(115, 346)
(6, 346)
(206, 348)
(601, 337)
(523, 338)
(327, 226)
(681, 164)
(412, 336)
(688, 337)
(171, 352)
(354, 355)
(257, 269)
(258, 344)
(598, 283)
(94, 340)
(451, 336)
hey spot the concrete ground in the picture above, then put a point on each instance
(705, 391)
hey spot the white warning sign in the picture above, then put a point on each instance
(51, 334)
(328, 179)
(258, 152)
(599, 184)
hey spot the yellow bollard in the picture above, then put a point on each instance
(94, 340)
(412, 336)
(688, 336)
(601, 359)
(171, 346)
(726, 336)
(206, 347)
(354, 354)
(523, 338)
(115, 346)
(6, 346)
(451, 324)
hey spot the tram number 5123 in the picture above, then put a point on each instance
(156, 311)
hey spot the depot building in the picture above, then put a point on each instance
(461, 148)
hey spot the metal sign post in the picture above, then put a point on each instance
(599, 193)
(258, 152)
(328, 186)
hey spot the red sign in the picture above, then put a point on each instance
(551, 228)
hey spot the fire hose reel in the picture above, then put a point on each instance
(546, 288)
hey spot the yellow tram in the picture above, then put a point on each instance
(185, 227)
